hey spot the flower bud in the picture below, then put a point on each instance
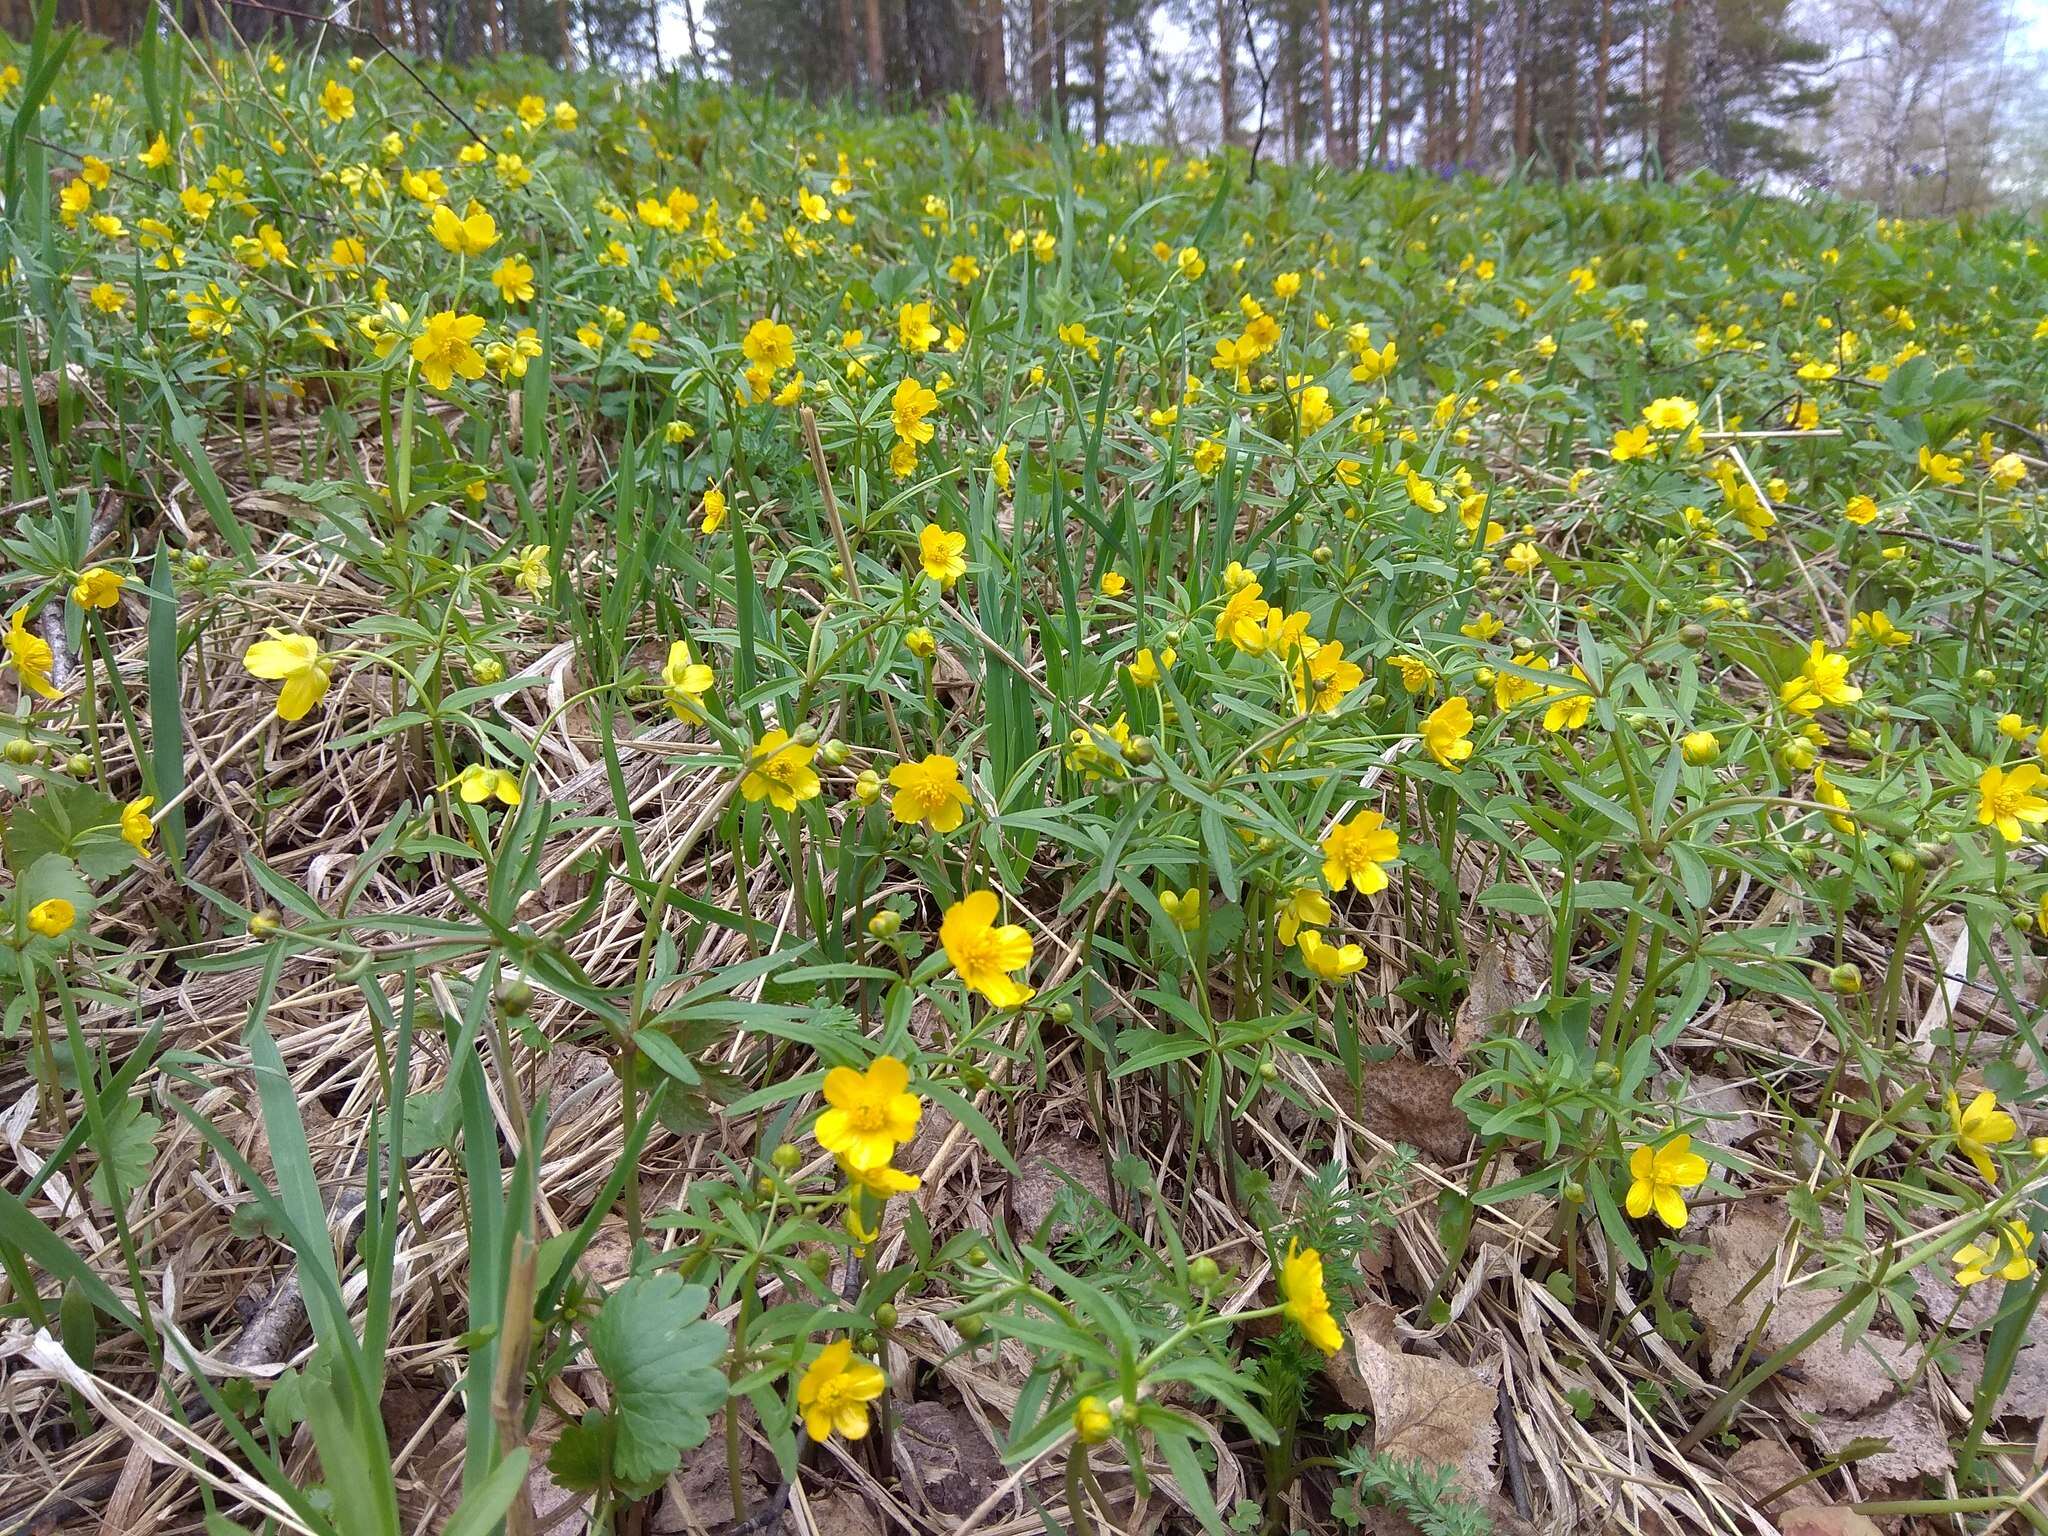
(21, 752)
(867, 789)
(265, 923)
(487, 669)
(1692, 636)
(885, 1315)
(972, 1326)
(1061, 1014)
(1846, 979)
(1204, 1274)
(805, 735)
(835, 753)
(786, 1156)
(1699, 747)
(514, 997)
(885, 924)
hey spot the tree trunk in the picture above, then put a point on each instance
(1600, 67)
(1326, 112)
(878, 57)
(1041, 56)
(1226, 76)
(1360, 40)
(995, 75)
(1098, 65)
(1524, 82)
(849, 46)
(1475, 68)
(1668, 88)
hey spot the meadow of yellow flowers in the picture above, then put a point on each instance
(760, 817)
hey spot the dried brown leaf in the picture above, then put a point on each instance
(1915, 1446)
(1411, 1101)
(1504, 977)
(1826, 1520)
(1761, 1467)
(1737, 1285)
(1432, 1411)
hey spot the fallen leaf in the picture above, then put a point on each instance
(1503, 979)
(1423, 1409)
(1826, 1520)
(944, 1459)
(1410, 1101)
(1915, 1445)
(1045, 1183)
(1729, 1299)
(1761, 1467)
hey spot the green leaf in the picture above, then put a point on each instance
(661, 1359)
(74, 820)
(130, 1149)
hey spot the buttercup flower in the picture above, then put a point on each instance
(779, 771)
(443, 350)
(1979, 1128)
(52, 918)
(869, 1114)
(298, 663)
(478, 783)
(942, 554)
(684, 681)
(136, 826)
(30, 655)
(97, 588)
(2006, 799)
(1447, 731)
(929, 792)
(1304, 1302)
(1356, 851)
(835, 1391)
(1658, 1175)
(984, 953)
(2008, 1255)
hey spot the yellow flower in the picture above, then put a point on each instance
(530, 570)
(1324, 679)
(921, 643)
(107, 299)
(999, 466)
(868, 1114)
(941, 554)
(2006, 800)
(779, 771)
(443, 348)
(1941, 468)
(1113, 584)
(30, 655)
(157, 156)
(97, 588)
(685, 681)
(1699, 747)
(1146, 668)
(336, 100)
(294, 660)
(1657, 1177)
(2009, 1256)
(1482, 628)
(711, 511)
(963, 269)
(1356, 851)
(1092, 1423)
(914, 329)
(1823, 679)
(1631, 443)
(1673, 413)
(1827, 793)
(1303, 1300)
(513, 278)
(136, 826)
(929, 792)
(769, 344)
(1244, 613)
(468, 234)
(1447, 732)
(1568, 708)
(1877, 625)
(1979, 1128)
(982, 952)
(835, 1391)
(52, 918)
(1860, 510)
(477, 783)
(1331, 962)
(908, 408)
(1304, 907)
(1417, 676)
